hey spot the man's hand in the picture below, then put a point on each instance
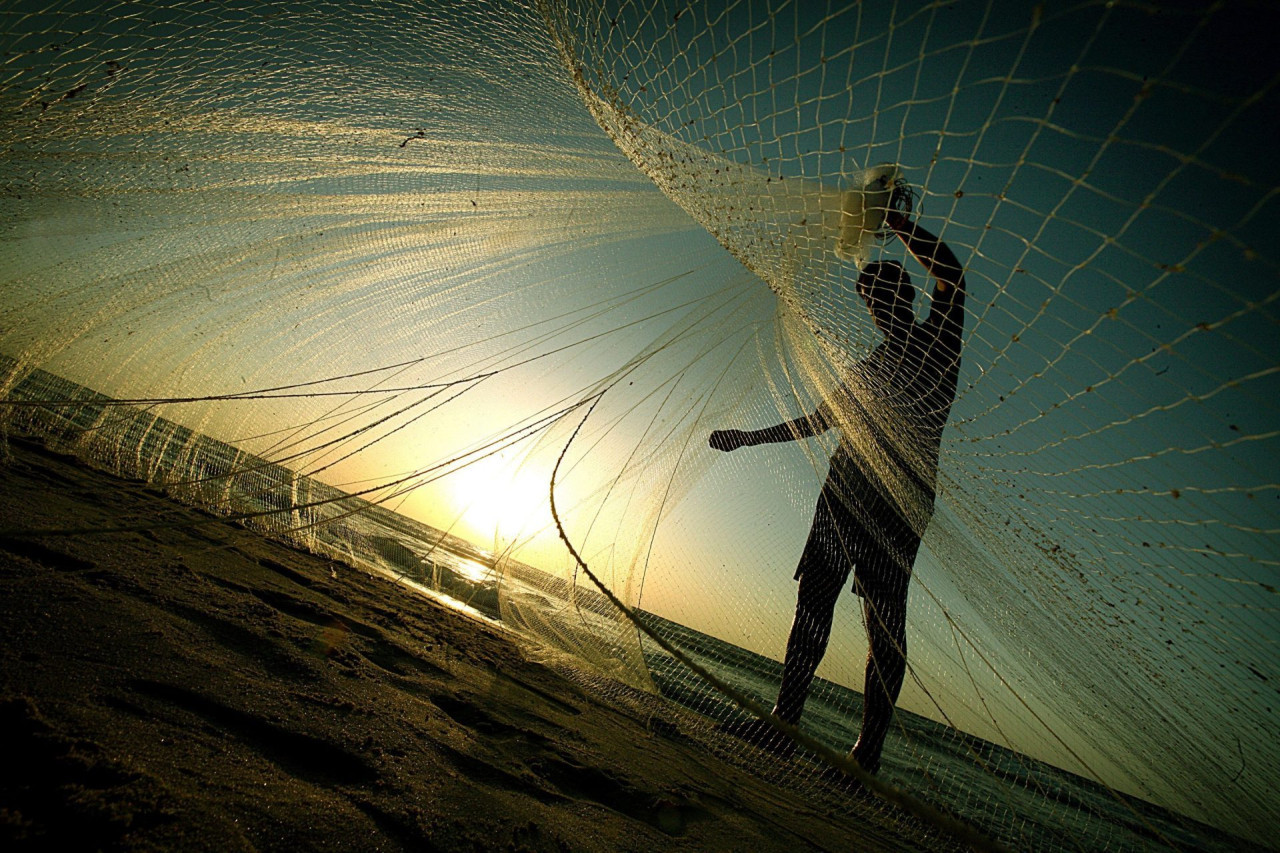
(901, 201)
(896, 219)
(728, 439)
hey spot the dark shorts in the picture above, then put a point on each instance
(872, 541)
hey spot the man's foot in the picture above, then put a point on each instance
(761, 735)
(847, 785)
(867, 759)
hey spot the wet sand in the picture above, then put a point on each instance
(188, 684)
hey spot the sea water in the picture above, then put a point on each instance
(1022, 801)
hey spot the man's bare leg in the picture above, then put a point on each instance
(885, 614)
(810, 631)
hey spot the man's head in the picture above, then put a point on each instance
(888, 292)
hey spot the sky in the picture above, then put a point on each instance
(247, 200)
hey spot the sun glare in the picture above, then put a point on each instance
(498, 497)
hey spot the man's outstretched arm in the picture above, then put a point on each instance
(794, 430)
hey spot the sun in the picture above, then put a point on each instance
(498, 497)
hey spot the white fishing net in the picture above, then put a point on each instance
(427, 254)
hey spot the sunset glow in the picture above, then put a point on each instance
(500, 498)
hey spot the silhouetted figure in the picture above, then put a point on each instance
(878, 496)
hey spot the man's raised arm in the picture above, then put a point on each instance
(933, 254)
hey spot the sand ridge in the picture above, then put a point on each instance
(189, 684)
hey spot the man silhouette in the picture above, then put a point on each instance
(878, 497)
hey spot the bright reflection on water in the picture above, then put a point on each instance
(472, 571)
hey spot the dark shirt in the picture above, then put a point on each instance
(891, 410)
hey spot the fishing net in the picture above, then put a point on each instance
(388, 280)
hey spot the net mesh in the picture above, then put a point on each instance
(365, 275)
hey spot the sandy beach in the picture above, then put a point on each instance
(188, 684)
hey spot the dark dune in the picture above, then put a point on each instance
(190, 685)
